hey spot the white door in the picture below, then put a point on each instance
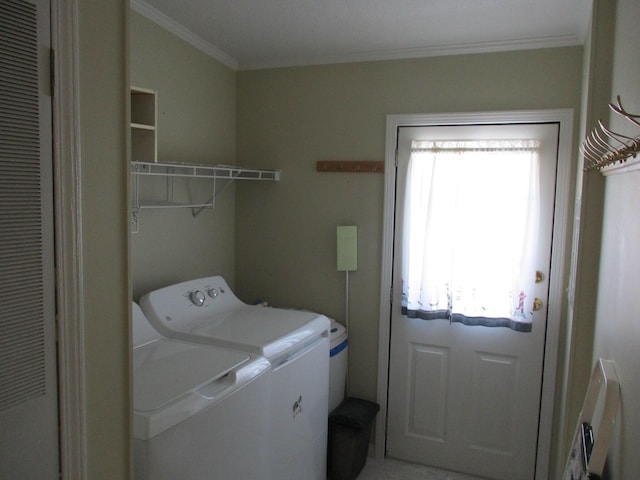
(28, 384)
(467, 398)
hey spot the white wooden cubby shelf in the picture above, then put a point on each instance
(144, 120)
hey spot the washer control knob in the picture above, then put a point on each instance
(197, 298)
(213, 292)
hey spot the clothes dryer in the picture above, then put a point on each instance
(206, 311)
(199, 411)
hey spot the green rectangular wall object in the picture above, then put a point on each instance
(347, 237)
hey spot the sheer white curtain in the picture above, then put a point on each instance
(470, 231)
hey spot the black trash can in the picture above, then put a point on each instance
(349, 431)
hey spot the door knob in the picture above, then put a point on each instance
(537, 304)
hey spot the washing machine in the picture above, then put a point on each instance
(296, 343)
(198, 411)
(338, 363)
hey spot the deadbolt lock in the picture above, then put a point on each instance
(537, 304)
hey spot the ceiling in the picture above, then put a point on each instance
(250, 34)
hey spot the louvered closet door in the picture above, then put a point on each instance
(28, 391)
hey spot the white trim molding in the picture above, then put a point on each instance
(183, 32)
(631, 165)
(561, 243)
(180, 31)
(552, 41)
(68, 232)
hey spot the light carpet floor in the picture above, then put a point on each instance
(389, 469)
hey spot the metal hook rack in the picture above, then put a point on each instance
(604, 147)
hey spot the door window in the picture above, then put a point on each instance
(472, 214)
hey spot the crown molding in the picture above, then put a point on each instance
(156, 16)
(555, 41)
(151, 13)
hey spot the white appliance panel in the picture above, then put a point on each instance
(338, 363)
(226, 320)
(165, 370)
(199, 412)
(141, 330)
(225, 441)
(298, 415)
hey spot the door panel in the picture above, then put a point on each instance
(467, 398)
(494, 384)
(427, 402)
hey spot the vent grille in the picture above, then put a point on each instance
(22, 342)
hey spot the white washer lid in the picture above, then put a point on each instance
(264, 331)
(337, 334)
(166, 370)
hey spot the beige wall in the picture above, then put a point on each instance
(618, 323)
(105, 274)
(196, 124)
(289, 118)
(285, 243)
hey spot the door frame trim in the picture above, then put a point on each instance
(68, 234)
(558, 278)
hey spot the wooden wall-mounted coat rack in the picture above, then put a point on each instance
(350, 166)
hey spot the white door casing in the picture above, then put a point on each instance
(564, 119)
(68, 233)
(470, 392)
